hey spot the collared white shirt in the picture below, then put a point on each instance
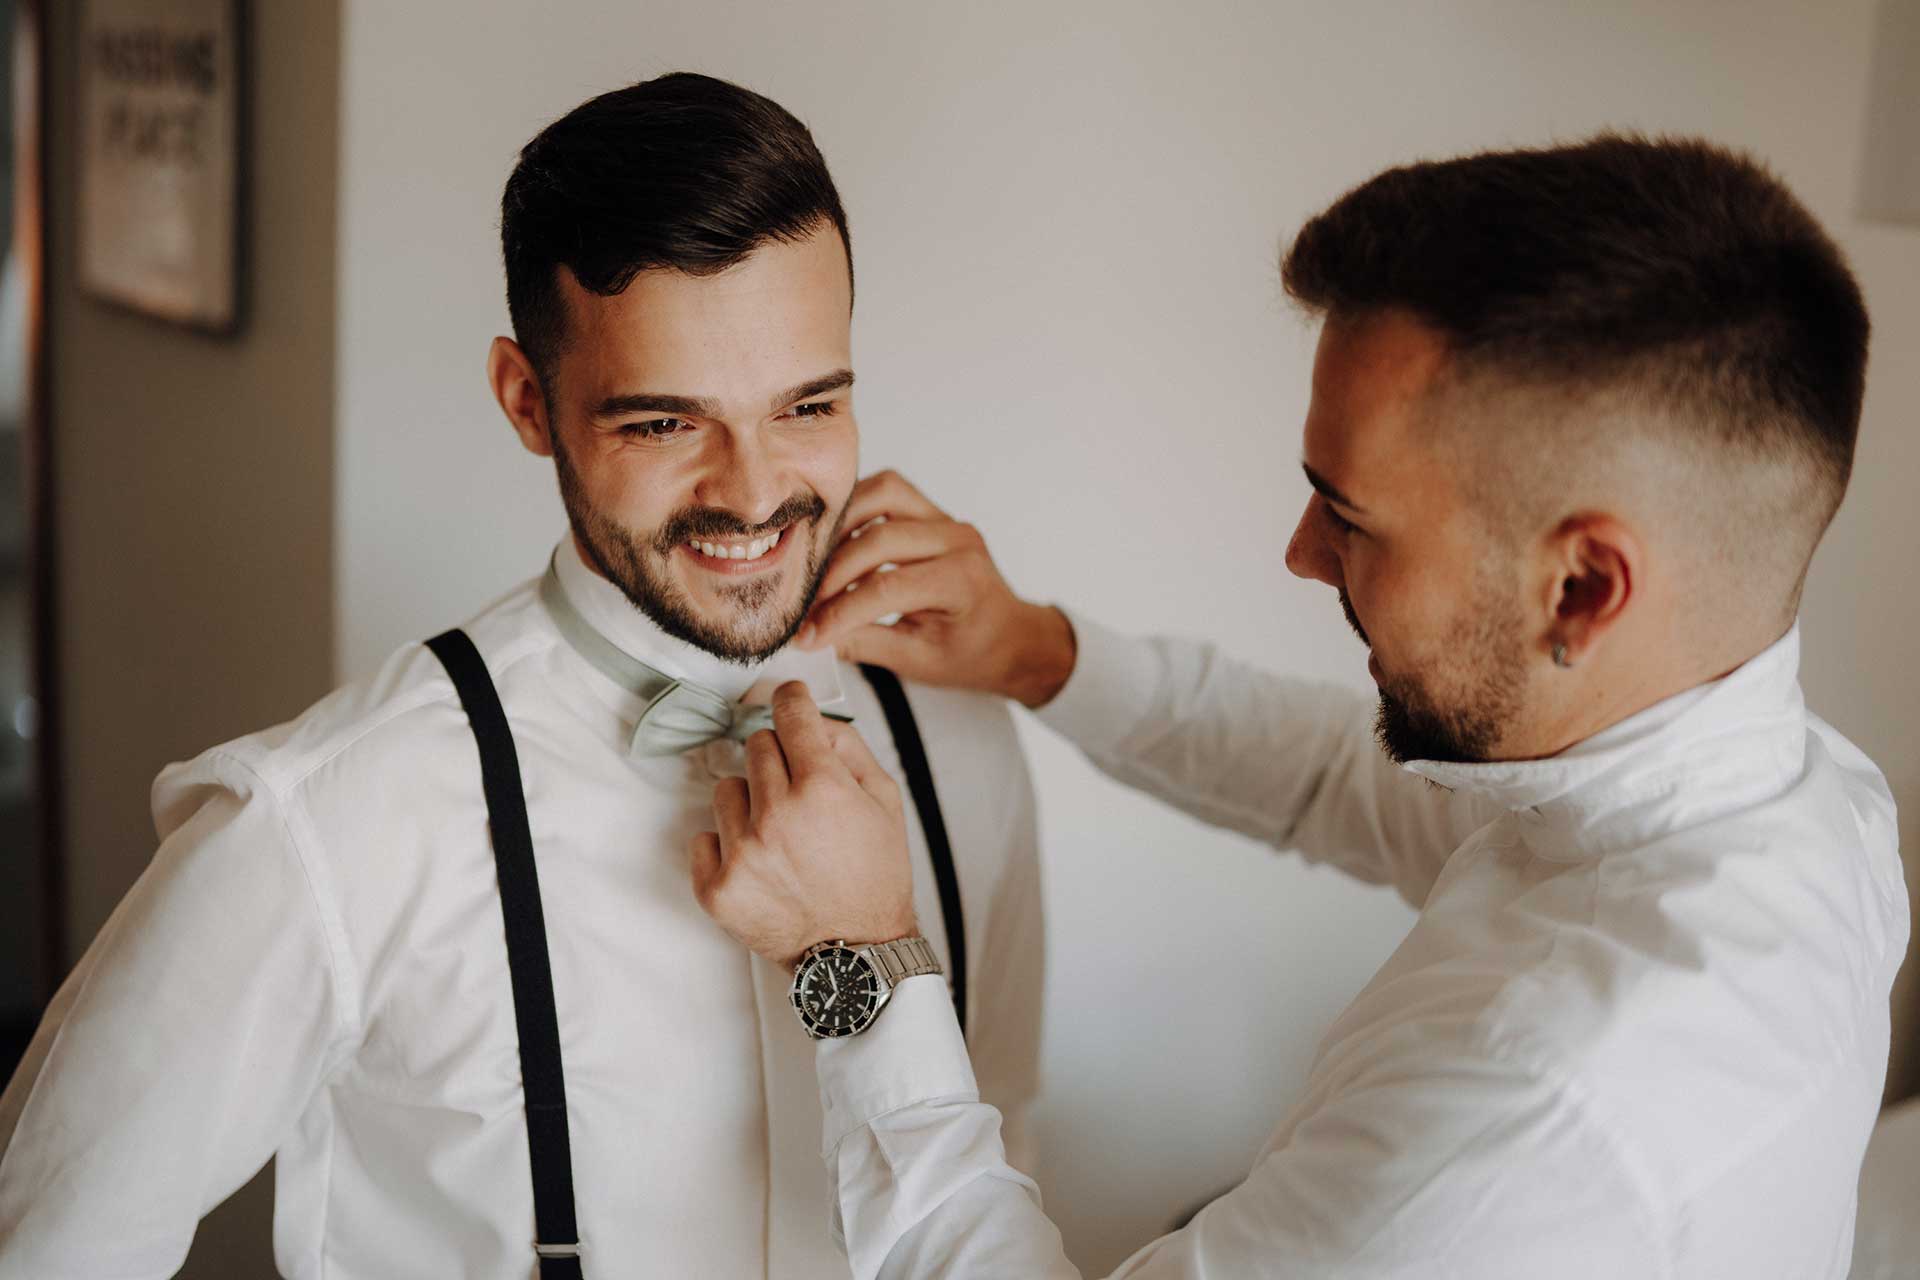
(1639, 1028)
(313, 967)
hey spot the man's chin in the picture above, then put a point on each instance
(742, 631)
(1409, 731)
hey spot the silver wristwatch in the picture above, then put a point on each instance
(838, 990)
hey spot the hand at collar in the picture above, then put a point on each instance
(959, 623)
(811, 845)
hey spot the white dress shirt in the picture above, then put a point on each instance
(313, 967)
(1639, 1028)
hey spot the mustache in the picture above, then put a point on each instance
(692, 523)
(1353, 619)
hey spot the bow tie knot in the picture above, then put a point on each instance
(685, 715)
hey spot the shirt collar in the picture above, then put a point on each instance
(608, 611)
(1749, 725)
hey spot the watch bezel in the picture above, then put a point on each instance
(816, 956)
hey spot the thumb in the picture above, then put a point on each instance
(705, 849)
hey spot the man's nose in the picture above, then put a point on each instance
(745, 477)
(1308, 554)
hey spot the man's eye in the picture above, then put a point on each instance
(1338, 521)
(814, 409)
(657, 428)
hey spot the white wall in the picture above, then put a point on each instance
(1069, 330)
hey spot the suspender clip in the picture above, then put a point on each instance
(556, 1250)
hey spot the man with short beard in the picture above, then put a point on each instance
(1579, 418)
(431, 944)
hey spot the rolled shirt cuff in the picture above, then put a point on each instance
(913, 1053)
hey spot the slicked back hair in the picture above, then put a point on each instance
(1675, 269)
(683, 171)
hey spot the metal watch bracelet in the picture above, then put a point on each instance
(904, 958)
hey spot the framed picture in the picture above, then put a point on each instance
(161, 140)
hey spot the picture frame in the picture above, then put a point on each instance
(162, 138)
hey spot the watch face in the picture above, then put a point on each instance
(835, 992)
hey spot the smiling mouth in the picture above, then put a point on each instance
(723, 554)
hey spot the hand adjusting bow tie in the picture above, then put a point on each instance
(680, 714)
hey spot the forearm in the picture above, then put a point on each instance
(1289, 762)
(922, 1187)
(1436, 1158)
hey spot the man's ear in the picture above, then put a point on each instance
(1594, 563)
(517, 387)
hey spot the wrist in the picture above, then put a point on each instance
(1045, 658)
(905, 926)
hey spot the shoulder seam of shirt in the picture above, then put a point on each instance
(345, 988)
(438, 690)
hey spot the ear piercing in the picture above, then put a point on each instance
(1560, 656)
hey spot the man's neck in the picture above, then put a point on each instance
(1634, 672)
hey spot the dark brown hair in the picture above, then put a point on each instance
(1676, 266)
(682, 171)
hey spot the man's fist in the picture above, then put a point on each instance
(811, 845)
(960, 624)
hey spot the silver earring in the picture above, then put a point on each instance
(1560, 656)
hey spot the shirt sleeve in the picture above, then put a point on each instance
(1425, 1165)
(180, 1050)
(1289, 762)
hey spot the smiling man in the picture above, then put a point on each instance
(432, 943)
(1579, 418)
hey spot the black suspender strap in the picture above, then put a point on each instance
(542, 1082)
(913, 759)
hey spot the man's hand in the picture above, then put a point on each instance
(812, 843)
(960, 624)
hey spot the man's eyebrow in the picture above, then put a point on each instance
(706, 407)
(646, 402)
(838, 380)
(1327, 490)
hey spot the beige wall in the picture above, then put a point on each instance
(194, 499)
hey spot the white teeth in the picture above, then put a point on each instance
(739, 551)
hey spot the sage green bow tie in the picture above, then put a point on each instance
(680, 714)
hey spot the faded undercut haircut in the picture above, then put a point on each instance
(1673, 269)
(683, 171)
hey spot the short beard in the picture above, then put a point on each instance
(1412, 723)
(624, 561)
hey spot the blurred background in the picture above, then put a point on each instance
(1070, 331)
